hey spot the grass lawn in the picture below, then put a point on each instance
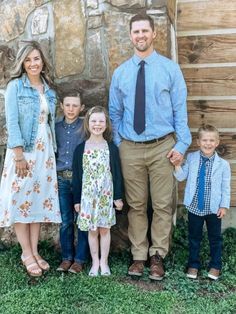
(69, 293)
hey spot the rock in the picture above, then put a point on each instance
(13, 16)
(95, 59)
(39, 21)
(69, 26)
(128, 4)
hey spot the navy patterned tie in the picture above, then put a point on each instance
(201, 187)
(139, 109)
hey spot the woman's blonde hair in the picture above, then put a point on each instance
(98, 109)
(23, 52)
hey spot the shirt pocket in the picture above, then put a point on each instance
(26, 105)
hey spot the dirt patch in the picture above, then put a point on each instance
(144, 285)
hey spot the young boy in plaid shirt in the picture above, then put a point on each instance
(207, 198)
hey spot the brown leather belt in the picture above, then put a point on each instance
(66, 174)
(155, 140)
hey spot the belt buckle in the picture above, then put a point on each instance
(67, 174)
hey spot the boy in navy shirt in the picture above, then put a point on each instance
(69, 133)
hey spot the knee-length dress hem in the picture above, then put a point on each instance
(97, 191)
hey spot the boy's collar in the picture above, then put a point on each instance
(72, 125)
(206, 157)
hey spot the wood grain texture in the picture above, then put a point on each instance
(206, 15)
(171, 9)
(220, 113)
(218, 81)
(207, 49)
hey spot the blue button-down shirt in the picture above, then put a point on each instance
(68, 136)
(166, 94)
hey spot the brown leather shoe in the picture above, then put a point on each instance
(136, 269)
(156, 267)
(64, 266)
(76, 268)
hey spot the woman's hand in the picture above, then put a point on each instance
(22, 167)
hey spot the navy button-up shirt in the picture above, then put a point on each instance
(68, 136)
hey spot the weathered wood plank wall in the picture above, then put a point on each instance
(206, 37)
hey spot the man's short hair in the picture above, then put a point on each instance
(142, 17)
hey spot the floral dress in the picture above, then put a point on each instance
(97, 191)
(35, 197)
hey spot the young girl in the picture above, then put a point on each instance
(97, 183)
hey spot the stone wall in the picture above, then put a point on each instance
(85, 40)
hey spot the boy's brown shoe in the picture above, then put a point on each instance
(192, 273)
(136, 269)
(214, 273)
(156, 267)
(76, 268)
(64, 266)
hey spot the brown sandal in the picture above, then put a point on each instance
(31, 266)
(41, 262)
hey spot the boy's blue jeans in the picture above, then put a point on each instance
(79, 252)
(195, 227)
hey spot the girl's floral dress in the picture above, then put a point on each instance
(97, 191)
(35, 197)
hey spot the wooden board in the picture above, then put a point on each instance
(215, 81)
(207, 49)
(171, 8)
(181, 187)
(200, 15)
(211, 112)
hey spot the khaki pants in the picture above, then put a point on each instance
(140, 163)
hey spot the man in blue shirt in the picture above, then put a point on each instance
(69, 134)
(149, 91)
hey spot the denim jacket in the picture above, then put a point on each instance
(22, 107)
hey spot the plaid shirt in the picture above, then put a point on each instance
(193, 208)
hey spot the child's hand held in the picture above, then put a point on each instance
(77, 208)
(118, 204)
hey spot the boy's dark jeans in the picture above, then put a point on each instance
(195, 228)
(80, 252)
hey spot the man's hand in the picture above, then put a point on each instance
(175, 157)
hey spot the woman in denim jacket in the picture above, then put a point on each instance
(28, 191)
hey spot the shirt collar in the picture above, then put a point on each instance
(71, 125)
(149, 59)
(207, 158)
(26, 81)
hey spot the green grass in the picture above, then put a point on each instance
(69, 293)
